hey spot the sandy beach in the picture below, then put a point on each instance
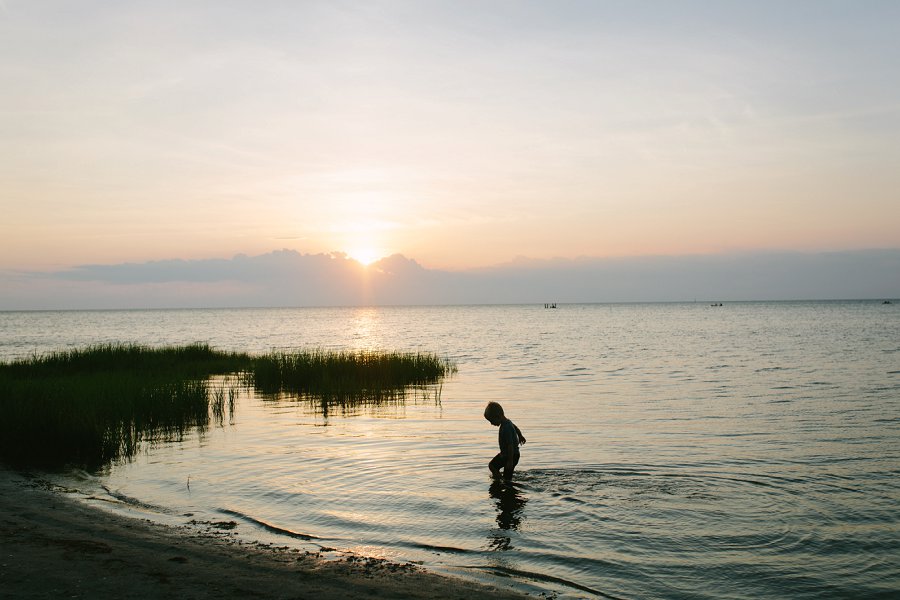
(53, 546)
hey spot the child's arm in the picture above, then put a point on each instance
(519, 434)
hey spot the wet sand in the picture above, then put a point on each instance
(52, 546)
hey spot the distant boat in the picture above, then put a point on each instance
(887, 302)
(550, 305)
(716, 304)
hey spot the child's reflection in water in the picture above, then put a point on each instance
(510, 500)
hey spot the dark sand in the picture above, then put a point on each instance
(53, 546)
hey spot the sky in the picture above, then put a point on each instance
(460, 134)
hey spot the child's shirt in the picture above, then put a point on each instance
(508, 436)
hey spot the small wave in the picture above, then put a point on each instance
(883, 389)
(434, 548)
(134, 502)
(268, 527)
(572, 499)
(498, 570)
(649, 476)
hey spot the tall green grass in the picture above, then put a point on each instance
(93, 405)
(99, 404)
(345, 376)
(344, 381)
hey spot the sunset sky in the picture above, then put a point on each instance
(461, 134)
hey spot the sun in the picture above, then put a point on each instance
(364, 255)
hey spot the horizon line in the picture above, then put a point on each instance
(704, 302)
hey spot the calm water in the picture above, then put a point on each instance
(674, 450)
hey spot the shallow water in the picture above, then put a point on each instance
(674, 450)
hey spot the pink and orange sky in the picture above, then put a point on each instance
(462, 134)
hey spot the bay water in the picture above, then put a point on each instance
(674, 450)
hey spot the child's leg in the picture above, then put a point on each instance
(507, 473)
(497, 463)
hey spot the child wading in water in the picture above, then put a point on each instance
(510, 439)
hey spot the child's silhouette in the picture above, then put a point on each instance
(510, 438)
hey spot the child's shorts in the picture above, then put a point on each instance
(499, 461)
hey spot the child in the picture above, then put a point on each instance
(510, 439)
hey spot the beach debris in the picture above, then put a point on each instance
(220, 525)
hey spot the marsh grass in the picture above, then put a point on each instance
(344, 376)
(223, 394)
(99, 404)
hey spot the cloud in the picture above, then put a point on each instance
(290, 278)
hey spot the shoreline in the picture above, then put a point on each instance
(54, 546)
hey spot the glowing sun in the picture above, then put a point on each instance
(364, 255)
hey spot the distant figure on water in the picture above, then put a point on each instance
(510, 438)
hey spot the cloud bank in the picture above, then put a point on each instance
(291, 278)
